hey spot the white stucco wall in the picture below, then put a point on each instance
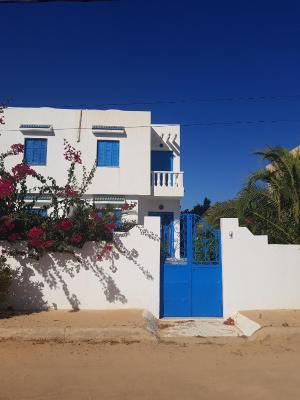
(257, 275)
(130, 180)
(147, 204)
(132, 177)
(127, 280)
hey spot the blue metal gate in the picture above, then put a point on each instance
(191, 276)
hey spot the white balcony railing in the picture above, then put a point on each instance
(165, 183)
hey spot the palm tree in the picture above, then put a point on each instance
(269, 203)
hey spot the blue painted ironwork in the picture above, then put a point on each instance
(190, 238)
(174, 241)
(205, 242)
(191, 268)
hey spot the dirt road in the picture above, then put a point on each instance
(239, 369)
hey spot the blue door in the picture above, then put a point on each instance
(161, 161)
(191, 276)
(166, 218)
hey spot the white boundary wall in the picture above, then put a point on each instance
(257, 275)
(130, 279)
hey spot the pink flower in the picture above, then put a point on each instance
(13, 236)
(6, 188)
(76, 238)
(71, 154)
(9, 225)
(64, 225)
(69, 191)
(20, 171)
(126, 206)
(38, 243)
(109, 247)
(17, 148)
(47, 244)
(41, 244)
(110, 227)
(35, 232)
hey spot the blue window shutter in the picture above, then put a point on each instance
(107, 157)
(115, 154)
(100, 153)
(28, 150)
(118, 214)
(43, 151)
(108, 153)
(36, 151)
(39, 211)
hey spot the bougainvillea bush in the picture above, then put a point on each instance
(71, 220)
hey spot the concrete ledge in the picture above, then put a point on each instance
(103, 326)
(246, 325)
(151, 323)
(69, 334)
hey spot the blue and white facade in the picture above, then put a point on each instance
(136, 160)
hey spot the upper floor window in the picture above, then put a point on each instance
(36, 151)
(39, 211)
(108, 153)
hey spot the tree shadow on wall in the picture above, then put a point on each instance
(25, 294)
(56, 269)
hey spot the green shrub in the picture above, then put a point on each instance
(5, 279)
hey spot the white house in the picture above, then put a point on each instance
(136, 160)
(191, 270)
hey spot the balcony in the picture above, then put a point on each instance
(165, 183)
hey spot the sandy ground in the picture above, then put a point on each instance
(238, 369)
(266, 368)
(275, 318)
(80, 319)
(81, 325)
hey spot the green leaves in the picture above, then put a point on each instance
(269, 203)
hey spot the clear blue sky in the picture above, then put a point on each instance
(146, 51)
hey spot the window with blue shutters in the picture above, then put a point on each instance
(108, 153)
(39, 211)
(118, 215)
(36, 151)
(116, 212)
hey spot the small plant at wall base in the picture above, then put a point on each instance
(269, 204)
(71, 220)
(5, 279)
